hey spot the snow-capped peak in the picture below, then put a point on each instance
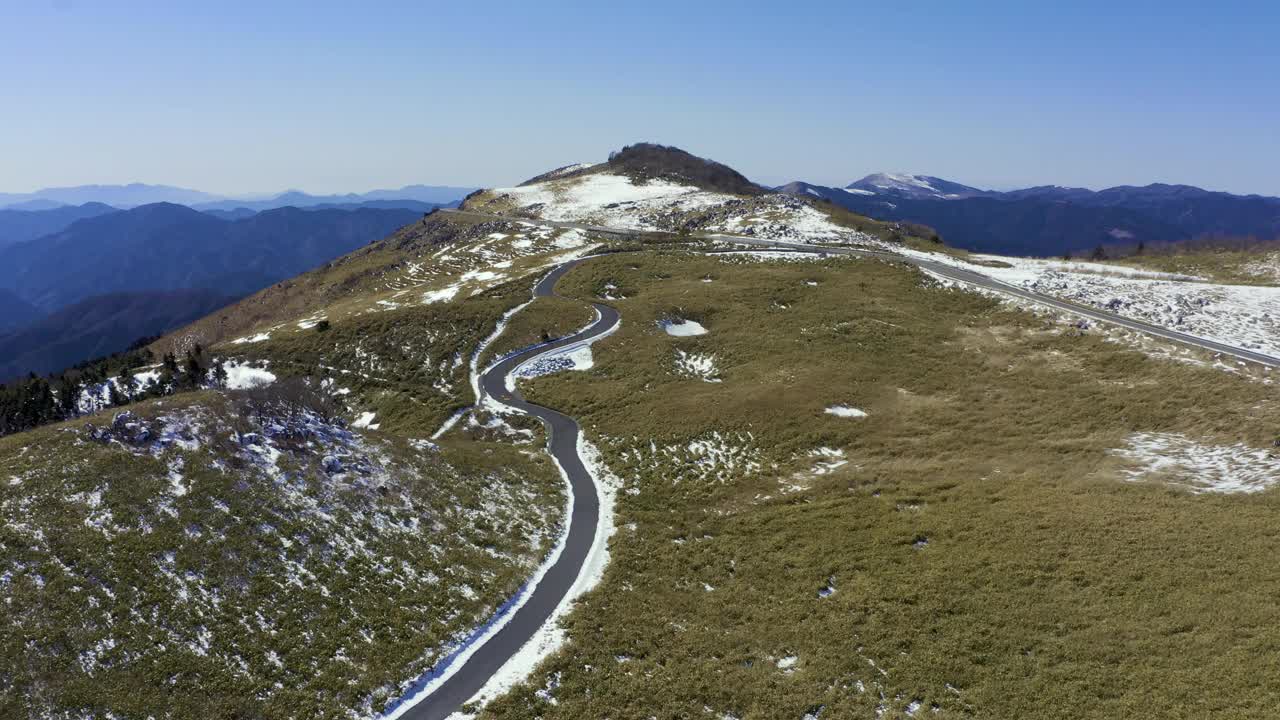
(899, 181)
(907, 185)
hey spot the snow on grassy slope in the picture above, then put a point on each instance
(845, 411)
(617, 201)
(697, 365)
(1265, 268)
(1201, 467)
(268, 552)
(464, 269)
(243, 376)
(606, 199)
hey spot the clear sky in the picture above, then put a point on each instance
(239, 97)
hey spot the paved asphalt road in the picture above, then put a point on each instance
(954, 273)
(563, 445)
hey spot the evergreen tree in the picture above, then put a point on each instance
(219, 373)
(39, 406)
(126, 382)
(193, 375)
(115, 398)
(69, 390)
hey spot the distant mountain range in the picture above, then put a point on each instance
(21, 225)
(136, 194)
(80, 289)
(98, 326)
(172, 247)
(243, 210)
(1053, 220)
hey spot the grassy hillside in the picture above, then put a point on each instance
(1255, 265)
(247, 554)
(989, 540)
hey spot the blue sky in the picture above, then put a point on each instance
(328, 96)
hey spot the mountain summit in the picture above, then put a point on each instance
(913, 186)
(643, 162)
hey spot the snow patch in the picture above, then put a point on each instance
(243, 376)
(442, 295)
(1200, 467)
(570, 358)
(698, 365)
(682, 328)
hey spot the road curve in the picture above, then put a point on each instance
(562, 443)
(948, 271)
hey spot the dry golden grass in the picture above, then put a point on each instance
(985, 551)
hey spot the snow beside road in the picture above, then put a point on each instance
(551, 636)
(573, 358)
(1245, 316)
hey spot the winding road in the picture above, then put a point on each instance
(472, 674)
(946, 270)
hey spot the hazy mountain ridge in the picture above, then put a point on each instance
(1053, 220)
(14, 311)
(182, 263)
(172, 247)
(130, 195)
(98, 326)
(21, 225)
(137, 194)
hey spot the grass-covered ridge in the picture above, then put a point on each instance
(1255, 265)
(247, 555)
(971, 544)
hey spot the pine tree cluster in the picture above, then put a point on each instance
(35, 401)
